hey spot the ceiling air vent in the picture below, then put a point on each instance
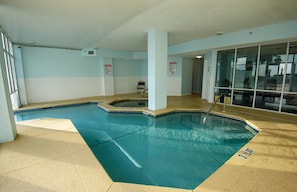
(88, 52)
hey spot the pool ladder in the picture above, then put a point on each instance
(212, 106)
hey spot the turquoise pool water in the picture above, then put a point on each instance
(173, 150)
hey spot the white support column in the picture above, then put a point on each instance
(157, 69)
(7, 125)
(209, 75)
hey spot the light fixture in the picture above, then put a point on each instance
(31, 42)
(199, 56)
(219, 32)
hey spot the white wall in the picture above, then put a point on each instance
(59, 74)
(174, 80)
(127, 73)
(59, 88)
(125, 85)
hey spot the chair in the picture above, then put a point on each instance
(140, 86)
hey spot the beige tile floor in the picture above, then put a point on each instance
(50, 155)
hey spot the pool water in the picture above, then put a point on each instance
(173, 150)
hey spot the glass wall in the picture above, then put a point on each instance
(245, 76)
(224, 74)
(289, 102)
(270, 76)
(10, 69)
(263, 76)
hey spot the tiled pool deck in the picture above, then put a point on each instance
(50, 155)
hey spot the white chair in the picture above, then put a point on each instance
(140, 86)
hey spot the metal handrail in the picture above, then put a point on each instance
(212, 106)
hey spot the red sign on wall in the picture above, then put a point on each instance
(108, 69)
(172, 66)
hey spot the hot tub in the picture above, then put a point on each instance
(130, 103)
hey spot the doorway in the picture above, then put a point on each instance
(197, 75)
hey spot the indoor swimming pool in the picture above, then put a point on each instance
(173, 150)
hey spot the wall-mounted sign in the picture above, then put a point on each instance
(172, 67)
(108, 69)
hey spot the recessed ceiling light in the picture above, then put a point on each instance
(199, 56)
(31, 42)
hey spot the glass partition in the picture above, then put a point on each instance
(289, 103)
(271, 67)
(246, 65)
(291, 69)
(262, 77)
(268, 100)
(225, 64)
(10, 69)
(243, 97)
(224, 76)
(245, 76)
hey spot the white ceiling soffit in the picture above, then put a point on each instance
(123, 24)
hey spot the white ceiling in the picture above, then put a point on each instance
(123, 24)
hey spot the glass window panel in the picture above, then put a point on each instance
(268, 100)
(10, 48)
(14, 77)
(3, 41)
(246, 65)
(12, 74)
(271, 67)
(227, 94)
(225, 64)
(243, 98)
(7, 70)
(6, 43)
(291, 69)
(289, 103)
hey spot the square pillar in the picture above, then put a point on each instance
(157, 69)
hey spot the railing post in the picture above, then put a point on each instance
(224, 107)
(205, 116)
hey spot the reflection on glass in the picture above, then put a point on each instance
(227, 95)
(244, 98)
(272, 75)
(291, 69)
(271, 67)
(225, 63)
(289, 103)
(268, 100)
(3, 40)
(246, 65)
